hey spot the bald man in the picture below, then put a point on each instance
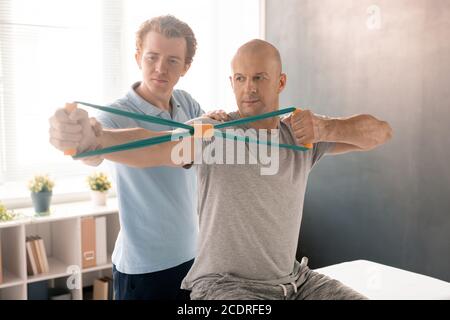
(249, 222)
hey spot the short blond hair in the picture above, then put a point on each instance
(170, 27)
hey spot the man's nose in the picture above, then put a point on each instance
(161, 66)
(250, 86)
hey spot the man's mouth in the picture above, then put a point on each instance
(250, 101)
(160, 80)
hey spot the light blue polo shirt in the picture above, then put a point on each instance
(157, 206)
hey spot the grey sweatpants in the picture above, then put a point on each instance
(309, 285)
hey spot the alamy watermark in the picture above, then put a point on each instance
(74, 280)
(219, 150)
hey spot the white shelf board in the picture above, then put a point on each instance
(62, 212)
(13, 223)
(57, 269)
(10, 280)
(108, 265)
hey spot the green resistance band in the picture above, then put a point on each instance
(137, 116)
(134, 145)
(226, 135)
(255, 118)
(166, 138)
(173, 137)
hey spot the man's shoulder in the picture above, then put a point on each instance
(190, 106)
(184, 98)
(111, 120)
(182, 93)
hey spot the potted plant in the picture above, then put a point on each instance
(41, 193)
(5, 214)
(99, 185)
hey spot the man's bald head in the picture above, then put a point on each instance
(259, 48)
(256, 78)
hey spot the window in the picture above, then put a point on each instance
(55, 51)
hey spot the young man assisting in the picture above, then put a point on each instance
(157, 241)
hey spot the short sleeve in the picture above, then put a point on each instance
(191, 106)
(114, 121)
(198, 110)
(106, 120)
(320, 149)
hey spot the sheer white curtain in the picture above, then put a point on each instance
(53, 51)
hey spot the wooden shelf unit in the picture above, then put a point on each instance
(61, 232)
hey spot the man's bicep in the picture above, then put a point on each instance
(341, 148)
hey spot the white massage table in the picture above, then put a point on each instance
(380, 282)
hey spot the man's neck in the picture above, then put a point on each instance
(162, 102)
(269, 124)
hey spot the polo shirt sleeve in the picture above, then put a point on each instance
(194, 107)
(113, 121)
(197, 109)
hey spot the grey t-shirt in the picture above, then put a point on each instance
(249, 223)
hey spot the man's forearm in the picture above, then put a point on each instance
(363, 131)
(142, 157)
(112, 137)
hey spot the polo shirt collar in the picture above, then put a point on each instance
(147, 108)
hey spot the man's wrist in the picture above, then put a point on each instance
(101, 140)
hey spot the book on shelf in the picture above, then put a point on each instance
(44, 259)
(32, 254)
(88, 254)
(37, 261)
(110, 288)
(100, 241)
(38, 254)
(31, 258)
(101, 289)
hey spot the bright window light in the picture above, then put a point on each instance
(54, 51)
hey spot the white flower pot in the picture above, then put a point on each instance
(98, 198)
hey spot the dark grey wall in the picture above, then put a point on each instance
(390, 205)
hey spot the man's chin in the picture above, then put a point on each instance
(161, 89)
(250, 112)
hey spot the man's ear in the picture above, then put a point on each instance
(137, 57)
(282, 82)
(186, 68)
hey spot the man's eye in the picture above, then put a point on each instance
(239, 79)
(173, 61)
